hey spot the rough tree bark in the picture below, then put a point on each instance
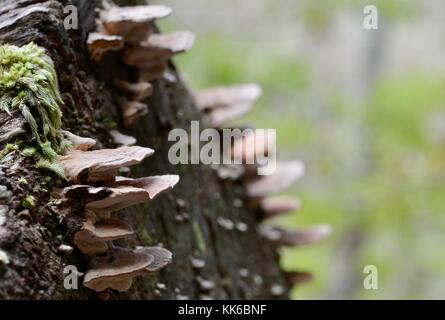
(30, 237)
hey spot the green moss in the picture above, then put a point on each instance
(51, 167)
(8, 149)
(145, 238)
(29, 152)
(28, 82)
(29, 202)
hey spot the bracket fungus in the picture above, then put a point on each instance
(100, 165)
(132, 23)
(98, 44)
(131, 110)
(79, 143)
(273, 206)
(129, 192)
(153, 72)
(117, 269)
(162, 257)
(254, 144)
(285, 237)
(122, 139)
(286, 174)
(224, 104)
(170, 43)
(158, 48)
(137, 91)
(93, 237)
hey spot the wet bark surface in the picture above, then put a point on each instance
(239, 263)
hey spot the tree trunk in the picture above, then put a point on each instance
(240, 264)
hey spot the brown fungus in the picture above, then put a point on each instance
(287, 237)
(132, 23)
(157, 49)
(126, 192)
(122, 139)
(116, 270)
(252, 145)
(132, 110)
(99, 43)
(284, 177)
(273, 206)
(79, 143)
(92, 237)
(100, 165)
(137, 91)
(162, 258)
(225, 104)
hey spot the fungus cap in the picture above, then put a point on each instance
(171, 43)
(116, 270)
(132, 23)
(161, 258)
(122, 139)
(100, 165)
(126, 192)
(284, 177)
(252, 145)
(131, 110)
(99, 43)
(273, 206)
(287, 237)
(138, 91)
(79, 143)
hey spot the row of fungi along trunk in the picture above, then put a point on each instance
(96, 191)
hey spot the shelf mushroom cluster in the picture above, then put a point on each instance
(93, 175)
(221, 105)
(130, 32)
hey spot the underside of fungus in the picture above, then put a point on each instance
(132, 110)
(129, 192)
(120, 266)
(122, 139)
(273, 206)
(285, 176)
(137, 91)
(285, 237)
(93, 237)
(79, 143)
(224, 104)
(100, 165)
(158, 48)
(99, 43)
(132, 23)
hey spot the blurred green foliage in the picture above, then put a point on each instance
(317, 14)
(389, 211)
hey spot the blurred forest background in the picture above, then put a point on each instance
(364, 109)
